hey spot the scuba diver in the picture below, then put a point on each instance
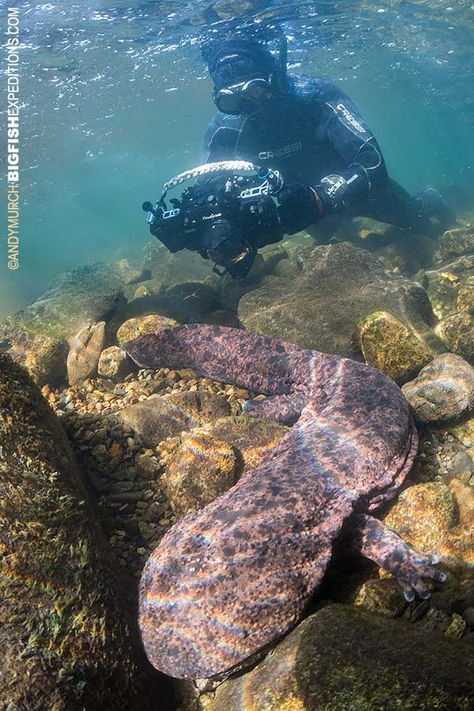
(311, 132)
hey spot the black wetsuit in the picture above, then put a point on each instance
(308, 132)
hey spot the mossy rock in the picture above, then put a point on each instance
(347, 658)
(465, 298)
(457, 242)
(202, 468)
(84, 295)
(392, 347)
(68, 638)
(319, 303)
(140, 325)
(457, 333)
(43, 357)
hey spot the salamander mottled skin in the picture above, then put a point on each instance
(228, 580)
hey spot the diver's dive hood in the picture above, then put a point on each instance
(233, 61)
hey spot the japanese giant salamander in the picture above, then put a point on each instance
(228, 580)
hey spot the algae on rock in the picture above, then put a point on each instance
(68, 640)
(318, 303)
(392, 347)
(348, 658)
(457, 333)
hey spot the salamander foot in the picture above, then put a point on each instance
(377, 542)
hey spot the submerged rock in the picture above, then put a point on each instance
(202, 469)
(392, 347)
(169, 269)
(445, 283)
(84, 352)
(140, 325)
(200, 405)
(154, 420)
(457, 242)
(423, 515)
(457, 333)
(114, 364)
(68, 638)
(348, 658)
(208, 460)
(84, 295)
(435, 518)
(465, 297)
(330, 290)
(188, 301)
(252, 437)
(43, 357)
(443, 390)
(399, 250)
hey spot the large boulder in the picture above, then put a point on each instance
(84, 295)
(68, 638)
(348, 658)
(329, 290)
(43, 357)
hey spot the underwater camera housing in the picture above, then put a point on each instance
(225, 216)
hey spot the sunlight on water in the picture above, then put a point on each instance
(115, 99)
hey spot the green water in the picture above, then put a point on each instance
(115, 100)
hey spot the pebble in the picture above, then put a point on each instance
(125, 476)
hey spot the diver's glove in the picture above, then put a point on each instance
(299, 206)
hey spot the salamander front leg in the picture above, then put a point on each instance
(280, 408)
(376, 541)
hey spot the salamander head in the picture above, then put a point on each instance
(202, 615)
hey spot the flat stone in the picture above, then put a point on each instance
(154, 420)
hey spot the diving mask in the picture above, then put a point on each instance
(235, 99)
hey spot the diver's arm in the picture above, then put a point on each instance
(339, 123)
(350, 136)
(220, 140)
